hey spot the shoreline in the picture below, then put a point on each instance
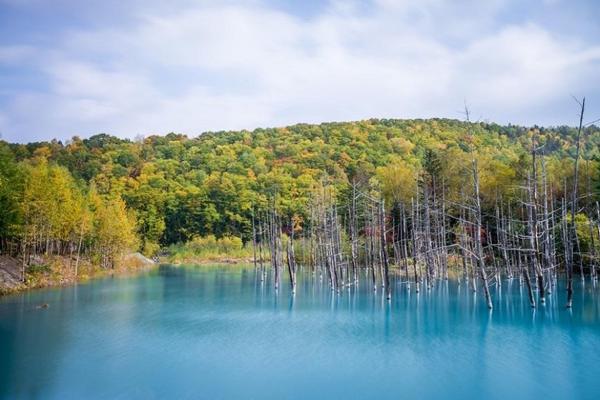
(56, 272)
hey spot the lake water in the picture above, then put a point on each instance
(219, 333)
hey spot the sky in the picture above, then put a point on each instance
(139, 67)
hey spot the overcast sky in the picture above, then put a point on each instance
(128, 68)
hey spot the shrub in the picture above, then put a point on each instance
(210, 248)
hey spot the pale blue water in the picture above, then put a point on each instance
(218, 333)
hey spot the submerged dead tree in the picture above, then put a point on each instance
(477, 225)
(291, 258)
(533, 225)
(478, 241)
(384, 251)
(572, 231)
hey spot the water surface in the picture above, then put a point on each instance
(221, 333)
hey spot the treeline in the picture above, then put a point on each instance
(101, 194)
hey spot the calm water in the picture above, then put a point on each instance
(218, 333)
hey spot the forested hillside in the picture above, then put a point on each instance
(104, 194)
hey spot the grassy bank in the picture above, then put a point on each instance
(60, 271)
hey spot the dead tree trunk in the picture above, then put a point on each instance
(478, 241)
(384, 255)
(254, 241)
(573, 226)
(291, 259)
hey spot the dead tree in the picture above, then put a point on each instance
(353, 235)
(534, 233)
(384, 250)
(254, 241)
(572, 225)
(415, 242)
(478, 241)
(291, 259)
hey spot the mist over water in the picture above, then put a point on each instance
(219, 332)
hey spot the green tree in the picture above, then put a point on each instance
(11, 186)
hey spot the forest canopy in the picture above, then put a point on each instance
(106, 194)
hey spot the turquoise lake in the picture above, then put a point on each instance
(221, 333)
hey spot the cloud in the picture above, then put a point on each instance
(11, 55)
(213, 67)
